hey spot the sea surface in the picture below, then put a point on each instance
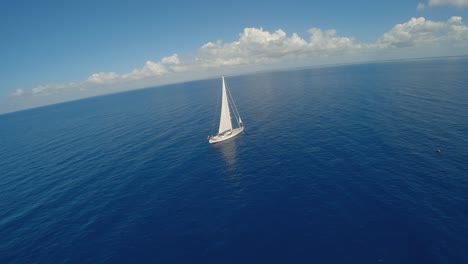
(336, 165)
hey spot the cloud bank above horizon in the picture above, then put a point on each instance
(260, 49)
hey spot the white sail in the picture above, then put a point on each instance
(225, 120)
(226, 131)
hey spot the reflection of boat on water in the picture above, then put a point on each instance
(231, 175)
(226, 131)
(228, 151)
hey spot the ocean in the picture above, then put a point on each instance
(336, 165)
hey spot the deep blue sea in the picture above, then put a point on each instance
(336, 165)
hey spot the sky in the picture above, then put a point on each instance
(56, 51)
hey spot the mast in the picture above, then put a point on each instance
(225, 119)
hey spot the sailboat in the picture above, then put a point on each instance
(226, 131)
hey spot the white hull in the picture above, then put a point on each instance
(226, 136)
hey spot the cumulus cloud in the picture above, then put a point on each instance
(328, 41)
(456, 3)
(261, 49)
(258, 46)
(154, 69)
(255, 46)
(171, 60)
(419, 32)
(103, 77)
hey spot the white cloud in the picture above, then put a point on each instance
(54, 88)
(154, 69)
(257, 46)
(19, 92)
(260, 49)
(456, 3)
(150, 69)
(171, 60)
(421, 7)
(328, 41)
(420, 32)
(103, 77)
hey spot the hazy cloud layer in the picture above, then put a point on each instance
(421, 6)
(18, 92)
(261, 49)
(457, 3)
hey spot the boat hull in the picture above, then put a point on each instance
(217, 138)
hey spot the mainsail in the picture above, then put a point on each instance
(226, 131)
(225, 121)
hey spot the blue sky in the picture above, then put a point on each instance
(61, 42)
